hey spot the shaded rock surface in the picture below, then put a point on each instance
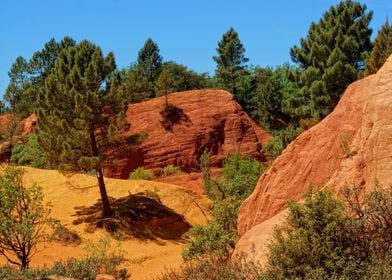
(200, 120)
(352, 145)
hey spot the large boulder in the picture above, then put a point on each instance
(197, 120)
(351, 146)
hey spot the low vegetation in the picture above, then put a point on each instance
(170, 170)
(219, 236)
(23, 218)
(141, 174)
(323, 237)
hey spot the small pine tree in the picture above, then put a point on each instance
(230, 61)
(149, 62)
(382, 49)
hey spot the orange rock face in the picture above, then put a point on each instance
(206, 119)
(353, 145)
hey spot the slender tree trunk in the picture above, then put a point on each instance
(107, 211)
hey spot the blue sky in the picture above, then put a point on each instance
(187, 31)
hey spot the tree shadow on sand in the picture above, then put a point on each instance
(140, 215)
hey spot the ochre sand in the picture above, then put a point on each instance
(144, 258)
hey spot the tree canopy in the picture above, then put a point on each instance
(382, 49)
(331, 56)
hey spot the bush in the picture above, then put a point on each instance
(171, 169)
(326, 238)
(216, 269)
(23, 217)
(101, 258)
(218, 238)
(30, 154)
(141, 174)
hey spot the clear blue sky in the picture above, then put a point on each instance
(187, 31)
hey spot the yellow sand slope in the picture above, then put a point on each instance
(145, 258)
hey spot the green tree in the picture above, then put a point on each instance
(230, 61)
(23, 217)
(18, 75)
(331, 56)
(81, 110)
(166, 83)
(149, 62)
(136, 86)
(382, 49)
(185, 79)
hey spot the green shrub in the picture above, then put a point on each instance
(326, 238)
(141, 174)
(23, 217)
(220, 235)
(101, 258)
(216, 269)
(171, 169)
(30, 154)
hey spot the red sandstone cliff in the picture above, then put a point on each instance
(207, 119)
(353, 145)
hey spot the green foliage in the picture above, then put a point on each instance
(230, 61)
(30, 154)
(81, 110)
(101, 258)
(23, 217)
(281, 139)
(18, 82)
(218, 238)
(382, 49)
(185, 79)
(326, 238)
(141, 174)
(331, 57)
(212, 268)
(171, 169)
(149, 61)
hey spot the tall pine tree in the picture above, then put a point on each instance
(382, 49)
(149, 62)
(331, 56)
(80, 111)
(230, 61)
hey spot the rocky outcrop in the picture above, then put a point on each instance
(353, 145)
(19, 132)
(197, 120)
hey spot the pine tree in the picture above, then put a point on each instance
(382, 49)
(18, 75)
(80, 111)
(149, 62)
(167, 83)
(331, 56)
(230, 61)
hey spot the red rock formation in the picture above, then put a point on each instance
(353, 145)
(207, 119)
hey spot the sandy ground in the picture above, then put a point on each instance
(145, 258)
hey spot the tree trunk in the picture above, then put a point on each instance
(107, 211)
